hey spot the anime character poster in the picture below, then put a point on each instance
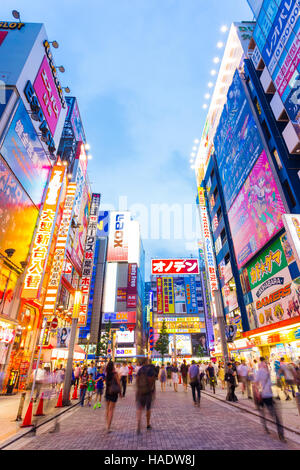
(255, 216)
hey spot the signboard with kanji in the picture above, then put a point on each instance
(175, 266)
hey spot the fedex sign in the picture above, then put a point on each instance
(118, 237)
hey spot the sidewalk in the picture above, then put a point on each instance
(289, 410)
(9, 406)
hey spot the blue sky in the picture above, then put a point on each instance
(139, 69)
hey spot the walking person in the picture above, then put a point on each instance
(288, 372)
(162, 377)
(130, 373)
(145, 392)
(123, 373)
(169, 374)
(194, 376)
(77, 372)
(100, 378)
(39, 381)
(230, 378)
(210, 372)
(221, 374)
(243, 374)
(83, 385)
(175, 378)
(264, 397)
(90, 388)
(184, 374)
(112, 392)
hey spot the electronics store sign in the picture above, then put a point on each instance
(126, 352)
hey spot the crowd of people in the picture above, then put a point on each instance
(111, 380)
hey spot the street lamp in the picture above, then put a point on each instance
(68, 375)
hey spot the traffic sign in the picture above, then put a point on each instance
(54, 323)
(122, 328)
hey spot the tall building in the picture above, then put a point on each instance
(247, 174)
(178, 299)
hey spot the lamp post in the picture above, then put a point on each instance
(68, 375)
(221, 324)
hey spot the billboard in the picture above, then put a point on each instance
(125, 337)
(191, 295)
(179, 291)
(125, 352)
(25, 155)
(63, 337)
(118, 237)
(74, 118)
(18, 216)
(180, 324)
(46, 92)
(237, 141)
(43, 236)
(292, 226)
(103, 224)
(175, 266)
(183, 345)
(120, 317)
(255, 216)
(132, 286)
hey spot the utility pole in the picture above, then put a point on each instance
(221, 324)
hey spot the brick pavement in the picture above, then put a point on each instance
(177, 425)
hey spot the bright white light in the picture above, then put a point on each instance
(210, 84)
(204, 106)
(224, 28)
(220, 44)
(216, 60)
(87, 147)
(192, 167)
(195, 148)
(196, 141)
(90, 157)
(213, 72)
(193, 154)
(206, 96)
(191, 160)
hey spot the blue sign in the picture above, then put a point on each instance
(237, 141)
(103, 224)
(25, 155)
(5, 94)
(191, 295)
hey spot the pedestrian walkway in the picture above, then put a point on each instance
(289, 410)
(177, 425)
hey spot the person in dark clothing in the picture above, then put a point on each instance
(112, 392)
(195, 382)
(230, 378)
(184, 374)
(210, 372)
(145, 391)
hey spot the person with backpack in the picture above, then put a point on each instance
(112, 392)
(145, 392)
(230, 378)
(184, 373)
(194, 376)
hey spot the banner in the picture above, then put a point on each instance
(159, 295)
(255, 216)
(88, 264)
(179, 291)
(132, 286)
(120, 317)
(43, 237)
(168, 295)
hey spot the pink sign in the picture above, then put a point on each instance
(47, 95)
(255, 216)
(175, 266)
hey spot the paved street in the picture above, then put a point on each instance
(177, 425)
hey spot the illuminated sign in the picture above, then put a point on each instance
(11, 26)
(54, 73)
(120, 317)
(292, 226)
(7, 334)
(60, 250)
(175, 266)
(121, 294)
(132, 285)
(168, 295)
(42, 240)
(124, 337)
(118, 237)
(128, 352)
(159, 295)
(87, 269)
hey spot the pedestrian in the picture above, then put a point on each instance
(92, 369)
(288, 372)
(210, 372)
(90, 388)
(83, 385)
(221, 374)
(77, 372)
(145, 392)
(194, 377)
(162, 376)
(112, 392)
(169, 374)
(39, 380)
(230, 378)
(99, 379)
(123, 373)
(157, 369)
(264, 397)
(175, 378)
(60, 376)
(184, 374)
(130, 373)
(243, 374)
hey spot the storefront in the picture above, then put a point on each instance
(7, 336)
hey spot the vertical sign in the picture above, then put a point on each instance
(87, 270)
(60, 250)
(292, 227)
(43, 236)
(118, 237)
(159, 295)
(132, 285)
(168, 295)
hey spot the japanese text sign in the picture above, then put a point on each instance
(175, 266)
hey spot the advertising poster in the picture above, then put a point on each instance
(17, 214)
(277, 299)
(199, 341)
(47, 95)
(63, 337)
(118, 237)
(183, 345)
(125, 337)
(159, 295)
(75, 119)
(237, 141)
(287, 247)
(191, 295)
(179, 291)
(251, 315)
(255, 216)
(25, 155)
(103, 224)
(132, 285)
(292, 226)
(168, 295)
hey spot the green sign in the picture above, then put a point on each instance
(269, 263)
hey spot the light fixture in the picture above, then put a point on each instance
(207, 96)
(195, 148)
(87, 146)
(16, 15)
(192, 154)
(224, 28)
(90, 157)
(54, 44)
(196, 141)
(216, 60)
(220, 44)
(210, 84)
(61, 68)
(10, 252)
(204, 106)
(67, 89)
(213, 72)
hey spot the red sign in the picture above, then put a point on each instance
(159, 295)
(121, 294)
(175, 266)
(131, 300)
(54, 323)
